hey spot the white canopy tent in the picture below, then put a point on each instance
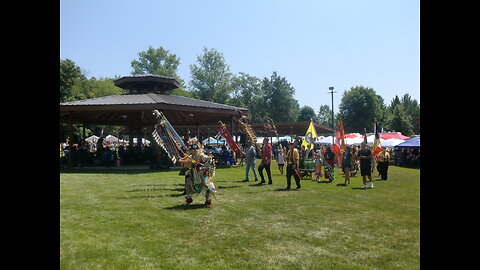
(353, 141)
(390, 142)
(92, 139)
(211, 140)
(324, 140)
(111, 139)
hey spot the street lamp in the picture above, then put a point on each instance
(331, 92)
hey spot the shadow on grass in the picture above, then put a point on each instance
(141, 197)
(109, 171)
(258, 185)
(283, 189)
(222, 187)
(187, 207)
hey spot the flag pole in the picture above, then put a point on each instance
(333, 125)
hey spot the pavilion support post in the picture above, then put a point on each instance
(70, 139)
(130, 137)
(139, 139)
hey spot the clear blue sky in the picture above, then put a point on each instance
(314, 44)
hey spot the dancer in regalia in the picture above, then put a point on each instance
(329, 164)
(199, 176)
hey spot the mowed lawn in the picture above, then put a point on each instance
(135, 219)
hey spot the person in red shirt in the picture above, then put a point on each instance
(266, 160)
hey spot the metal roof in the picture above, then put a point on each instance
(147, 82)
(149, 99)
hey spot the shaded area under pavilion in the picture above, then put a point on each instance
(133, 110)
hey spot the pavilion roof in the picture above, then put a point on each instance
(147, 82)
(136, 109)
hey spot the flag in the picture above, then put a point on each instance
(309, 136)
(377, 147)
(340, 136)
(339, 146)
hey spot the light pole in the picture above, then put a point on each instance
(331, 92)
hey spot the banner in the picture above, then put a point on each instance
(309, 136)
(377, 147)
(223, 130)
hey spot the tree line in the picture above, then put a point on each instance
(212, 80)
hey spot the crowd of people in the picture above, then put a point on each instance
(353, 160)
(292, 159)
(85, 154)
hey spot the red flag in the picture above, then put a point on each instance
(223, 130)
(339, 145)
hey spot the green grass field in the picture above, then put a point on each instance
(135, 219)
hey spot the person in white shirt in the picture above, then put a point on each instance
(281, 159)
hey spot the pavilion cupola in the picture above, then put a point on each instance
(147, 83)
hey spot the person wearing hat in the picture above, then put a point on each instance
(292, 163)
(266, 160)
(200, 172)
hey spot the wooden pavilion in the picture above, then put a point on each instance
(146, 93)
(133, 110)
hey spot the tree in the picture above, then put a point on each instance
(158, 62)
(211, 77)
(402, 114)
(278, 99)
(401, 121)
(245, 89)
(307, 113)
(93, 88)
(69, 74)
(325, 115)
(360, 108)
(247, 93)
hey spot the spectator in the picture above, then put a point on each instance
(281, 159)
(365, 156)
(250, 157)
(266, 160)
(107, 157)
(347, 162)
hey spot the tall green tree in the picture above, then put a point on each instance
(307, 113)
(401, 121)
(279, 100)
(210, 77)
(70, 73)
(402, 115)
(360, 108)
(245, 90)
(325, 115)
(158, 62)
(93, 88)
